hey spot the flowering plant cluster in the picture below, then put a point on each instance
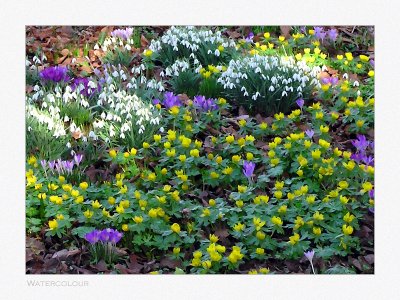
(180, 177)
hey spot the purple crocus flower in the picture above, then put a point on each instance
(122, 33)
(300, 102)
(83, 84)
(115, 236)
(69, 165)
(319, 32)
(360, 143)
(200, 102)
(372, 63)
(332, 34)
(171, 100)
(44, 164)
(309, 255)
(326, 80)
(156, 101)
(78, 158)
(371, 194)
(248, 168)
(334, 80)
(105, 235)
(52, 164)
(368, 160)
(250, 37)
(59, 167)
(309, 133)
(93, 236)
(55, 74)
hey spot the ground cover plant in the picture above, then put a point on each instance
(200, 150)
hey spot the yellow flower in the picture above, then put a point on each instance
(281, 38)
(263, 126)
(153, 213)
(279, 185)
(151, 177)
(53, 224)
(164, 171)
(364, 58)
(317, 50)
(133, 151)
(124, 203)
(96, 204)
(214, 175)
(206, 264)
(278, 194)
(367, 186)
(176, 250)
(125, 227)
(260, 251)
(146, 145)
(339, 57)
(194, 153)
(294, 238)
(120, 209)
(213, 238)
(317, 230)
(316, 154)
(60, 217)
(235, 158)
(138, 219)
(267, 35)
(238, 227)
(348, 218)
(347, 229)
(147, 52)
(79, 200)
(360, 123)
(175, 109)
(343, 199)
(242, 188)
(282, 209)
(242, 123)
(324, 129)
(88, 214)
(171, 152)
(349, 56)
(157, 138)
(42, 196)
(276, 221)
(310, 199)
(324, 143)
(176, 228)
(318, 216)
(113, 153)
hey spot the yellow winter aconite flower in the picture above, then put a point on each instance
(371, 73)
(213, 238)
(276, 221)
(242, 188)
(282, 209)
(267, 35)
(174, 110)
(151, 177)
(176, 228)
(96, 204)
(316, 154)
(294, 239)
(349, 56)
(53, 224)
(176, 250)
(317, 230)
(318, 216)
(238, 227)
(235, 158)
(42, 196)
(113, 153)
(194, 153)
(138, 219)
(235, 255)
(367, 186)
(227, 171)
(347, 229)
(310, 199)
(348, 218)
(278, 194)
(88, 214)
(324, 143)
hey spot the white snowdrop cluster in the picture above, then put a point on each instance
(254, 75)
(124, 112)
(191, 40)
(51, 120)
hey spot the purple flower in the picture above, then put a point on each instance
(319, 32)
(300, 102)
(78, 158)
(372, 210)
(248, 168)
(372, 63)
(105, 235)
(326, 80)
(156, 101)
(309, 133)
(332, 34)
(44, 164)
(52, 164)
(250, 37)
(360, 143)
(93, 236)
(122, 33)
(83, 84)
(69, 165)
(309, 255)
(200, 102)
(115, 236)
(371, 194)
(368, 160)
(334, 80)
(171, 100)
(55, 74)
